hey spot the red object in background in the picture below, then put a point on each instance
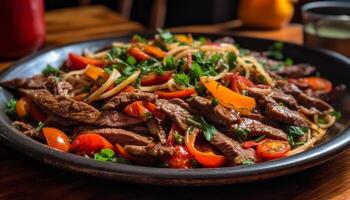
(22, 27)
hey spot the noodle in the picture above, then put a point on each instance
(120, 86)
(176, 50)
(112, 78)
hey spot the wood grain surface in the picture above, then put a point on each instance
(24, 178)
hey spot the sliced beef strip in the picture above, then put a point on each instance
(175, 112)
(302, 98)
(266, 95)
(139, 129)
(155, 128)
(276, 111)
(120, 101)
(28, 129)
(257, 128)
(63, 106)
(58, 86)
(121, 136)
(286, 99)
(35, 82)
(217, 114)
(54, 120)
(263, 119)
(285, 115)
(116, 120)
(296, 71)
(232, 149)
(151, 150)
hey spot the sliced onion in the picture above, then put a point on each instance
(72, 73)
(176, 50)
(95, 95)
(154, 87)
(120, 86)
(185, 53)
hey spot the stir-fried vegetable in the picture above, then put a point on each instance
(95, 72)
(227, 97)
(155, 78)
(138, 110)
(154, 51)
(22, 107)
(89, 143)
(56, 139)
(177, 94)
(76, 61)
(138, 54)
(181, 158)
(207, 159)
(272, 149)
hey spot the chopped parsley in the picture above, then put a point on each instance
(50, 70)
(182, 79)
(336, 114)
(131, 60)
(116, 52)
(138, 38)
(178, 138)
(214, 102)
(260, 138)
(231, 58)
(105, 155)
(248, 162)
(208, 130)
(10, 107)
(288, 61)
(169, 63)
(39, 127)
(242, 134)
(295, 132)
(275, 51)
(166, 36)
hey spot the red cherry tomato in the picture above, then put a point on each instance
(272, 149)
(89, 143)
(138, 54)
(56, 139)
(181, 158)
(156, 78)
(80, 62)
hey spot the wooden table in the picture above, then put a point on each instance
(24, 178)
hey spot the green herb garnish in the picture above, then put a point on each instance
(214, 102)
(208, 130)
(336, 114)
(295, 132)
(248, 162)
(178, 138)
(242, 134)
(50, 70)
(105, 155)
(10, 107)
(182, 79)
(39, 127)
(131, 60)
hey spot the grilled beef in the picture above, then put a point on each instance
(121, 136)
(120, 101)
(151, 150)
(116, 120)
(257, 128)
(28, 129)
(175, 112)
(155, 128)
(276, 111)
(35, 82)
(57, 86)
(63, 106)
(285, 115)
(296, 71)
(232, 149)
(302, 98)
(218, 113)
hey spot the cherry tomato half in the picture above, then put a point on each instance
(56, 139)
(272, 149)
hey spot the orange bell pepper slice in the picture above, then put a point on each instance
(177, 94)
(207, 159)
(184, 38)
(227, 97)
(154, 51)
(95, 72)
(138, 110)
(138, 54)
(22, 107)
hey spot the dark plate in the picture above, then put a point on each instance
(331, 65)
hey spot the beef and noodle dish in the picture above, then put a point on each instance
(176, 101)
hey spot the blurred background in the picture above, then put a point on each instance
(34, 24)
(174, 12)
